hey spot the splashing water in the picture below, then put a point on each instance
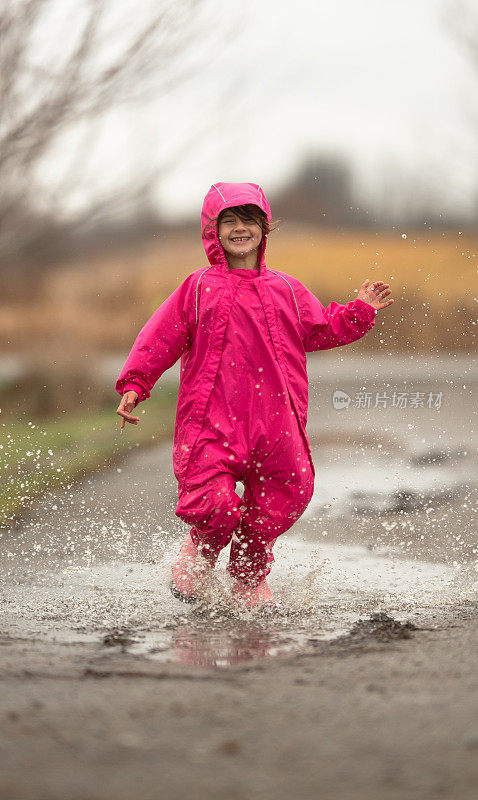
(322, 592)
(92, 563)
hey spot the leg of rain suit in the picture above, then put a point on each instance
(278, 487)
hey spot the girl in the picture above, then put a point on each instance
(242, 331)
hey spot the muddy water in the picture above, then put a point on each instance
(92, 563)
(322, 591)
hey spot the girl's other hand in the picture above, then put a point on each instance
(126, 406)
(375, 294)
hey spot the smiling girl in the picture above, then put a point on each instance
(242, 331)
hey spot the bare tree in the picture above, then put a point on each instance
(68, 63)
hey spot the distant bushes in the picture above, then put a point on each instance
(47, 389)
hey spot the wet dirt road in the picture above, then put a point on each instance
(109, 684)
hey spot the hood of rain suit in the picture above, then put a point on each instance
(227, 195)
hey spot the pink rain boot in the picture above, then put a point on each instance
(253, 596)
(192, 565)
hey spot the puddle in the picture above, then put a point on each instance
(227, 642)
(323, 591)
(365, 481)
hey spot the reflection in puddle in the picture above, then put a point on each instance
(226, 648)
(220, 648)
(232, 641)
(127, 607)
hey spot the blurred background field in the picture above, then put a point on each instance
(117, 120)
(99, 304)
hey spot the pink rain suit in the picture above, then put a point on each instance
(242, 335)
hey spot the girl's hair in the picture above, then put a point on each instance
(245, 212)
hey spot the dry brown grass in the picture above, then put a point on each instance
(441, 267)
(101, 304)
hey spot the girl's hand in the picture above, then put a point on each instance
(126, 406)
(375, 294)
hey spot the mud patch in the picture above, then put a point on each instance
(382, 627)
(118, 638)
(369, 634)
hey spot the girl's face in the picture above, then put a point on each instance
(238, 237)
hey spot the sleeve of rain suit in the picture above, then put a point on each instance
(159, 344)
(335, 325)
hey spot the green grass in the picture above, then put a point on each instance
(37, 455)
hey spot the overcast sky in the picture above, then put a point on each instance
(381, 81)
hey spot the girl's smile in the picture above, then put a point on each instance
(239, 238)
